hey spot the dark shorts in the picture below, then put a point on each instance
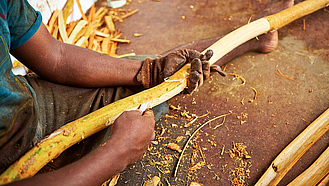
(60, 104)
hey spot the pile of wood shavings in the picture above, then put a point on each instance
(95, 31)
(241, 157)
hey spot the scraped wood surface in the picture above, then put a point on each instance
(315, 173)
(295, 150)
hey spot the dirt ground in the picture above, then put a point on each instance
(260, 114)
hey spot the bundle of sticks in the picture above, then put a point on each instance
(95, 31)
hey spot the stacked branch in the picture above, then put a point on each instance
(95, 31)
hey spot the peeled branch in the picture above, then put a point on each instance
(315, 173)
(295, 150)
(325, 181)
(66, 136)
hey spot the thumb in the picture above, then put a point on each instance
(148, 113)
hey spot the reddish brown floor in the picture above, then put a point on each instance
(266, 123)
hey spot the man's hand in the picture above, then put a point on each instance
(154, 71)
(131, 135)
(133, 131)
(200, 71)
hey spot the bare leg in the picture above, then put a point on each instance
(264, 43)
(268, 42)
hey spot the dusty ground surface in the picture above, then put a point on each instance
(265, 123)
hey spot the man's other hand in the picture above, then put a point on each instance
(133, 131)
(154, 71)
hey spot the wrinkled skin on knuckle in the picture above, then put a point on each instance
(193, 82)
(190, 54)
(172, 63)
(194, 78)
(196, 65)
(206, 69)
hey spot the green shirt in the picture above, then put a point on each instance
(18, 113)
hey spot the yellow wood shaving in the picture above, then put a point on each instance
(238, 76)
(81, 11)
(62, 26)
(280, 74)
(255, 96)
(129, 14)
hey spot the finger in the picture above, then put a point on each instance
(153, 136)
(196, 66)
(148, 113)
(207, 55)
(206, 70)
(216, 68)
(150, 116)
(191, 54)
(140, 111)
(193, 82)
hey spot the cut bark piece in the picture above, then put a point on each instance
(91, 41)
(70, 27)
(129, 14)
(113, 49)
(67, 9)
(125, 55)
(84, 17)
(99, 15)
(120, 40)
(52, 21)
(76, 30)
(62, 26)
(105, 46)
(55, 32)
(109, 23)
(91, 17)
(99, 33)
(113, 181)
(81, 41)
(99, 11)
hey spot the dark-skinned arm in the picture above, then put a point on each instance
(76, 66)
(132, 132)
